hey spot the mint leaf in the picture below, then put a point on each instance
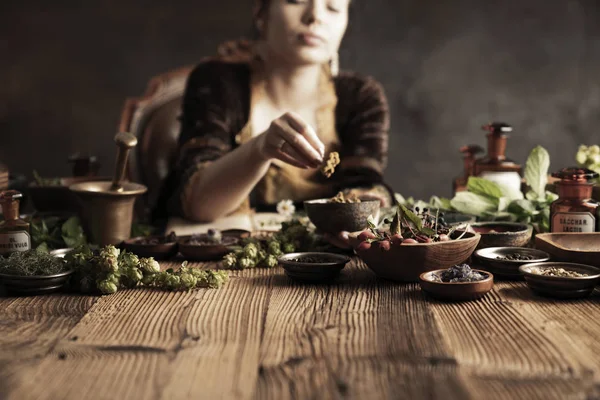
(536, 170)
(473, 204)
(484, 187)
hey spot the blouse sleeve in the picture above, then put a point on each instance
(206, 132)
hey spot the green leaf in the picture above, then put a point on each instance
(523, 206)
(536, 170)
(395, 226)
(371, 222)
(440, 203)
(484, 187)
(42, 248)
(503, 203)
(499, 216)
(473, 204)
(510, 192)
(428, 231)
(72, 233)
(411, 216)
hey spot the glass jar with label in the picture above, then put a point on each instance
(495, 166)
(14, 232)
(575, 211)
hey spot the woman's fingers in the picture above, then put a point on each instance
(297, 123)
(283, 156)
(298, 142)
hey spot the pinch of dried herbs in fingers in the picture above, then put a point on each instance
(328, 168)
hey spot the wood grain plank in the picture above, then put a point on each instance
(226, 326)
(186, 342)
(492, 333)
(358, 318)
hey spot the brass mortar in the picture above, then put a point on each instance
(107, 207)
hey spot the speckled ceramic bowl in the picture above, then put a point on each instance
(336, 217)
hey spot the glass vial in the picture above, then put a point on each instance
(14, 232)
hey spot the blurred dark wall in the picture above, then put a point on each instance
(447, 66)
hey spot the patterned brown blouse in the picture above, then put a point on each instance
(216, 110)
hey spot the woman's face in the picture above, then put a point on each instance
(306, 31)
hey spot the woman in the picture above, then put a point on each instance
(258, 125)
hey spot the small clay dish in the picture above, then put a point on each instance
(34, 285)
(503, 234)
(455, 291)
(159, 247)
(558, 286)
(330, 217)
(313, 267)
(200, 248)
(489, 260)
(581, 248)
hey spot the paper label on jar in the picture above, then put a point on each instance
(509, 179)
(573, 222)
(14, 241)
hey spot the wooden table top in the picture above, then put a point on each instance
(264, 336)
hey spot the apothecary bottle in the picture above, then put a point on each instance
(14, 232)
(469, 153)
(575, 211)
(495, 166)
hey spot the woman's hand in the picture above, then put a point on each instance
(293, 141)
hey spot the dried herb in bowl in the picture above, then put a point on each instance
(516, 257)
(458, 273)
(559, 272)
(32, 263)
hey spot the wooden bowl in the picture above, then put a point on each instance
(456, 291)
(582, 248)
(336, 217)
(160, 251)
(508, 269)
(406, 262)
(561, 287)
(503, 234)
(205, 252)
(313, 272)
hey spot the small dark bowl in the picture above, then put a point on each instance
(34, 285)
(561, 287)
(313, 272)
(456, 291)
(205, 252)
(503, 234)
(331, 217)
(160, 251)
(58, 197)
(509, 269)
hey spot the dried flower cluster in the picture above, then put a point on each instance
(332, 162)
(341, 198)
(111, 269)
